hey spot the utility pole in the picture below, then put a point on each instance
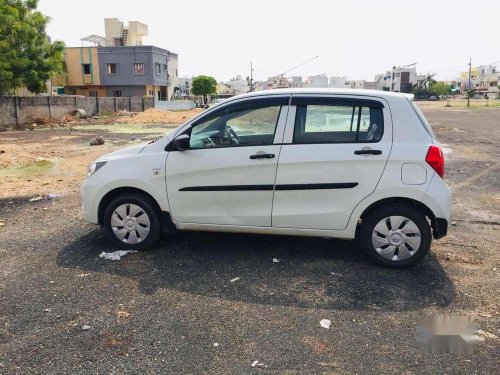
(251, 76)
(470, 85)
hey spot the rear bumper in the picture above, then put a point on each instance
(439, 228)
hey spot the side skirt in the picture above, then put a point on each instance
(343, 234)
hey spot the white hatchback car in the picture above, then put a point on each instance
(348, 164)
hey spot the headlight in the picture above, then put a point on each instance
(95, 166)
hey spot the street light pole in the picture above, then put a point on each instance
(470, 72)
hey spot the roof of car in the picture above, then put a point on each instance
(330, 91)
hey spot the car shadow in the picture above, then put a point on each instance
(309, 272)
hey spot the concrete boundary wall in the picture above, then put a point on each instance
(175, 105)
(18, 110)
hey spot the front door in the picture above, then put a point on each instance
(227, 175)
(336, 150)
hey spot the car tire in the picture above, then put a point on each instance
(395, 236)
(132, 222)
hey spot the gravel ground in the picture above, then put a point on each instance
(174, 309)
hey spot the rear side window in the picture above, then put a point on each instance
(422, 119)
(337, 121)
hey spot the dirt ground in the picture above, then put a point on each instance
(173, 309)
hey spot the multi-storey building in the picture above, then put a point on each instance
(121, 66)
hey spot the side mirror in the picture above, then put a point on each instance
(181, 142)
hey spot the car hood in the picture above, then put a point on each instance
(130, 150)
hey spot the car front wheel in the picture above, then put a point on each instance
(395, 236)
(132, 222)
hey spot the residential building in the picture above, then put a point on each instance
(277, 82)
(83, 76)
(238, 85)
(402, 79)
(320, 80)
(183, 88)
(118, 34)
(296, 82)
(338, 82)
(138, 71)
(119, 65)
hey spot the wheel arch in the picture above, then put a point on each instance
(399, 200)
(110, 195)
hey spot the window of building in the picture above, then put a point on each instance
(158, 68)
(138, 68)
(151, 93)
(112, 68)
(165, 67)
(117, 93)
(93, 93)
(176, 73)
(86, 68)
(330, 123)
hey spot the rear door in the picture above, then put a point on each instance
(335, 150)
(227, 175)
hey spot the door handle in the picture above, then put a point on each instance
(262, 156)
(368, 152)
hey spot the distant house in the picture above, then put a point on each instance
(120, 65)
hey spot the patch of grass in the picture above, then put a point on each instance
(128, 128)
(37, 168)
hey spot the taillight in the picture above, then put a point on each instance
(435, 159)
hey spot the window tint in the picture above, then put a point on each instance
(241, 126)
(330, 123)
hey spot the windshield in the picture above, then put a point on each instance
(422, 119)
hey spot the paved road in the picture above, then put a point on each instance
(174, 310)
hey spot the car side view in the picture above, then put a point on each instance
(350, 164)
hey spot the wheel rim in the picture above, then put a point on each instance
(396, 238)
(130, 223)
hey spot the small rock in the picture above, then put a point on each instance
(97, 141)
(234, 280)
(325, 323)
(2, 151)
(454, 223)
(46, 310)
(216, 344)
(276, 260)
(86, 328)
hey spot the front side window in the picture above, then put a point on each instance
(138, 68)
(337, 122)
(158, 68)
(236, 127)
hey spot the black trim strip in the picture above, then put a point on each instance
(228, 188)
(339, 185)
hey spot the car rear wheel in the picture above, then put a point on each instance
(395, 236)
(132, 222)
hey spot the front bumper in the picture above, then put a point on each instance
(92, 191)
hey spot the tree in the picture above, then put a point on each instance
(204, 86)
(27, 57)
(439, 88)
(428, 81)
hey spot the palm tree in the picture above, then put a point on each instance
(428, 81)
